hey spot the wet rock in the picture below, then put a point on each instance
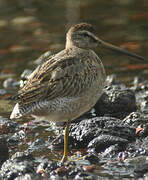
(102, 142)
(61, 170)
(85, 175)
(117, 170)
(3, 91)
(18, 165)
(25, 74)
(135, 119)
(42, 166)
(16, 139)
(112, 80)
(24, 77)
(139, 84)
(136, 149)
(7, 126)
(116, 102)
(141, 91)
(89, 168)
(51, 169)
(144, 131)
(92, 158)
(58, 143)
(44, 57)
(88, 129)
(29, 176)
(139, 163)
(37, 146)
(139, 121)
(10, 83)
(70, 170)
(144, 105)
(82, 162)
(4, 154)
(112, 152)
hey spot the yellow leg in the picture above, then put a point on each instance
(66, 134)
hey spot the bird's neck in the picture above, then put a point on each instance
(69, 43)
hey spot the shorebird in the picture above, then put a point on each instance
(67, 84)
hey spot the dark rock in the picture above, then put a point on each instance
(16, 138)
(7, 126)
(4, 154)
(116, 102)
(123, 131)
(135, 119)
(92, 158)
(138, 120)
(19, 165)
(88, 129)
(102, 142)
(49, 166)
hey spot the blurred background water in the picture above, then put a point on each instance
(29, 28)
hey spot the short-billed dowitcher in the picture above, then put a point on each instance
(69, 83)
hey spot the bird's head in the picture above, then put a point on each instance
(83, 36)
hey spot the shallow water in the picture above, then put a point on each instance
(29, 28)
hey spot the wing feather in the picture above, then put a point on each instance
(56, 78)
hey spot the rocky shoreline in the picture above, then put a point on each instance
(109, 142)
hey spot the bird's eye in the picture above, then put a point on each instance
(85, 34)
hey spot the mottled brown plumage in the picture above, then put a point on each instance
(67, 84)
(75, 76)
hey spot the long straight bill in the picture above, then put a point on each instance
(120, 50)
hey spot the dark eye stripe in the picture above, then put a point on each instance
(86, 35)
